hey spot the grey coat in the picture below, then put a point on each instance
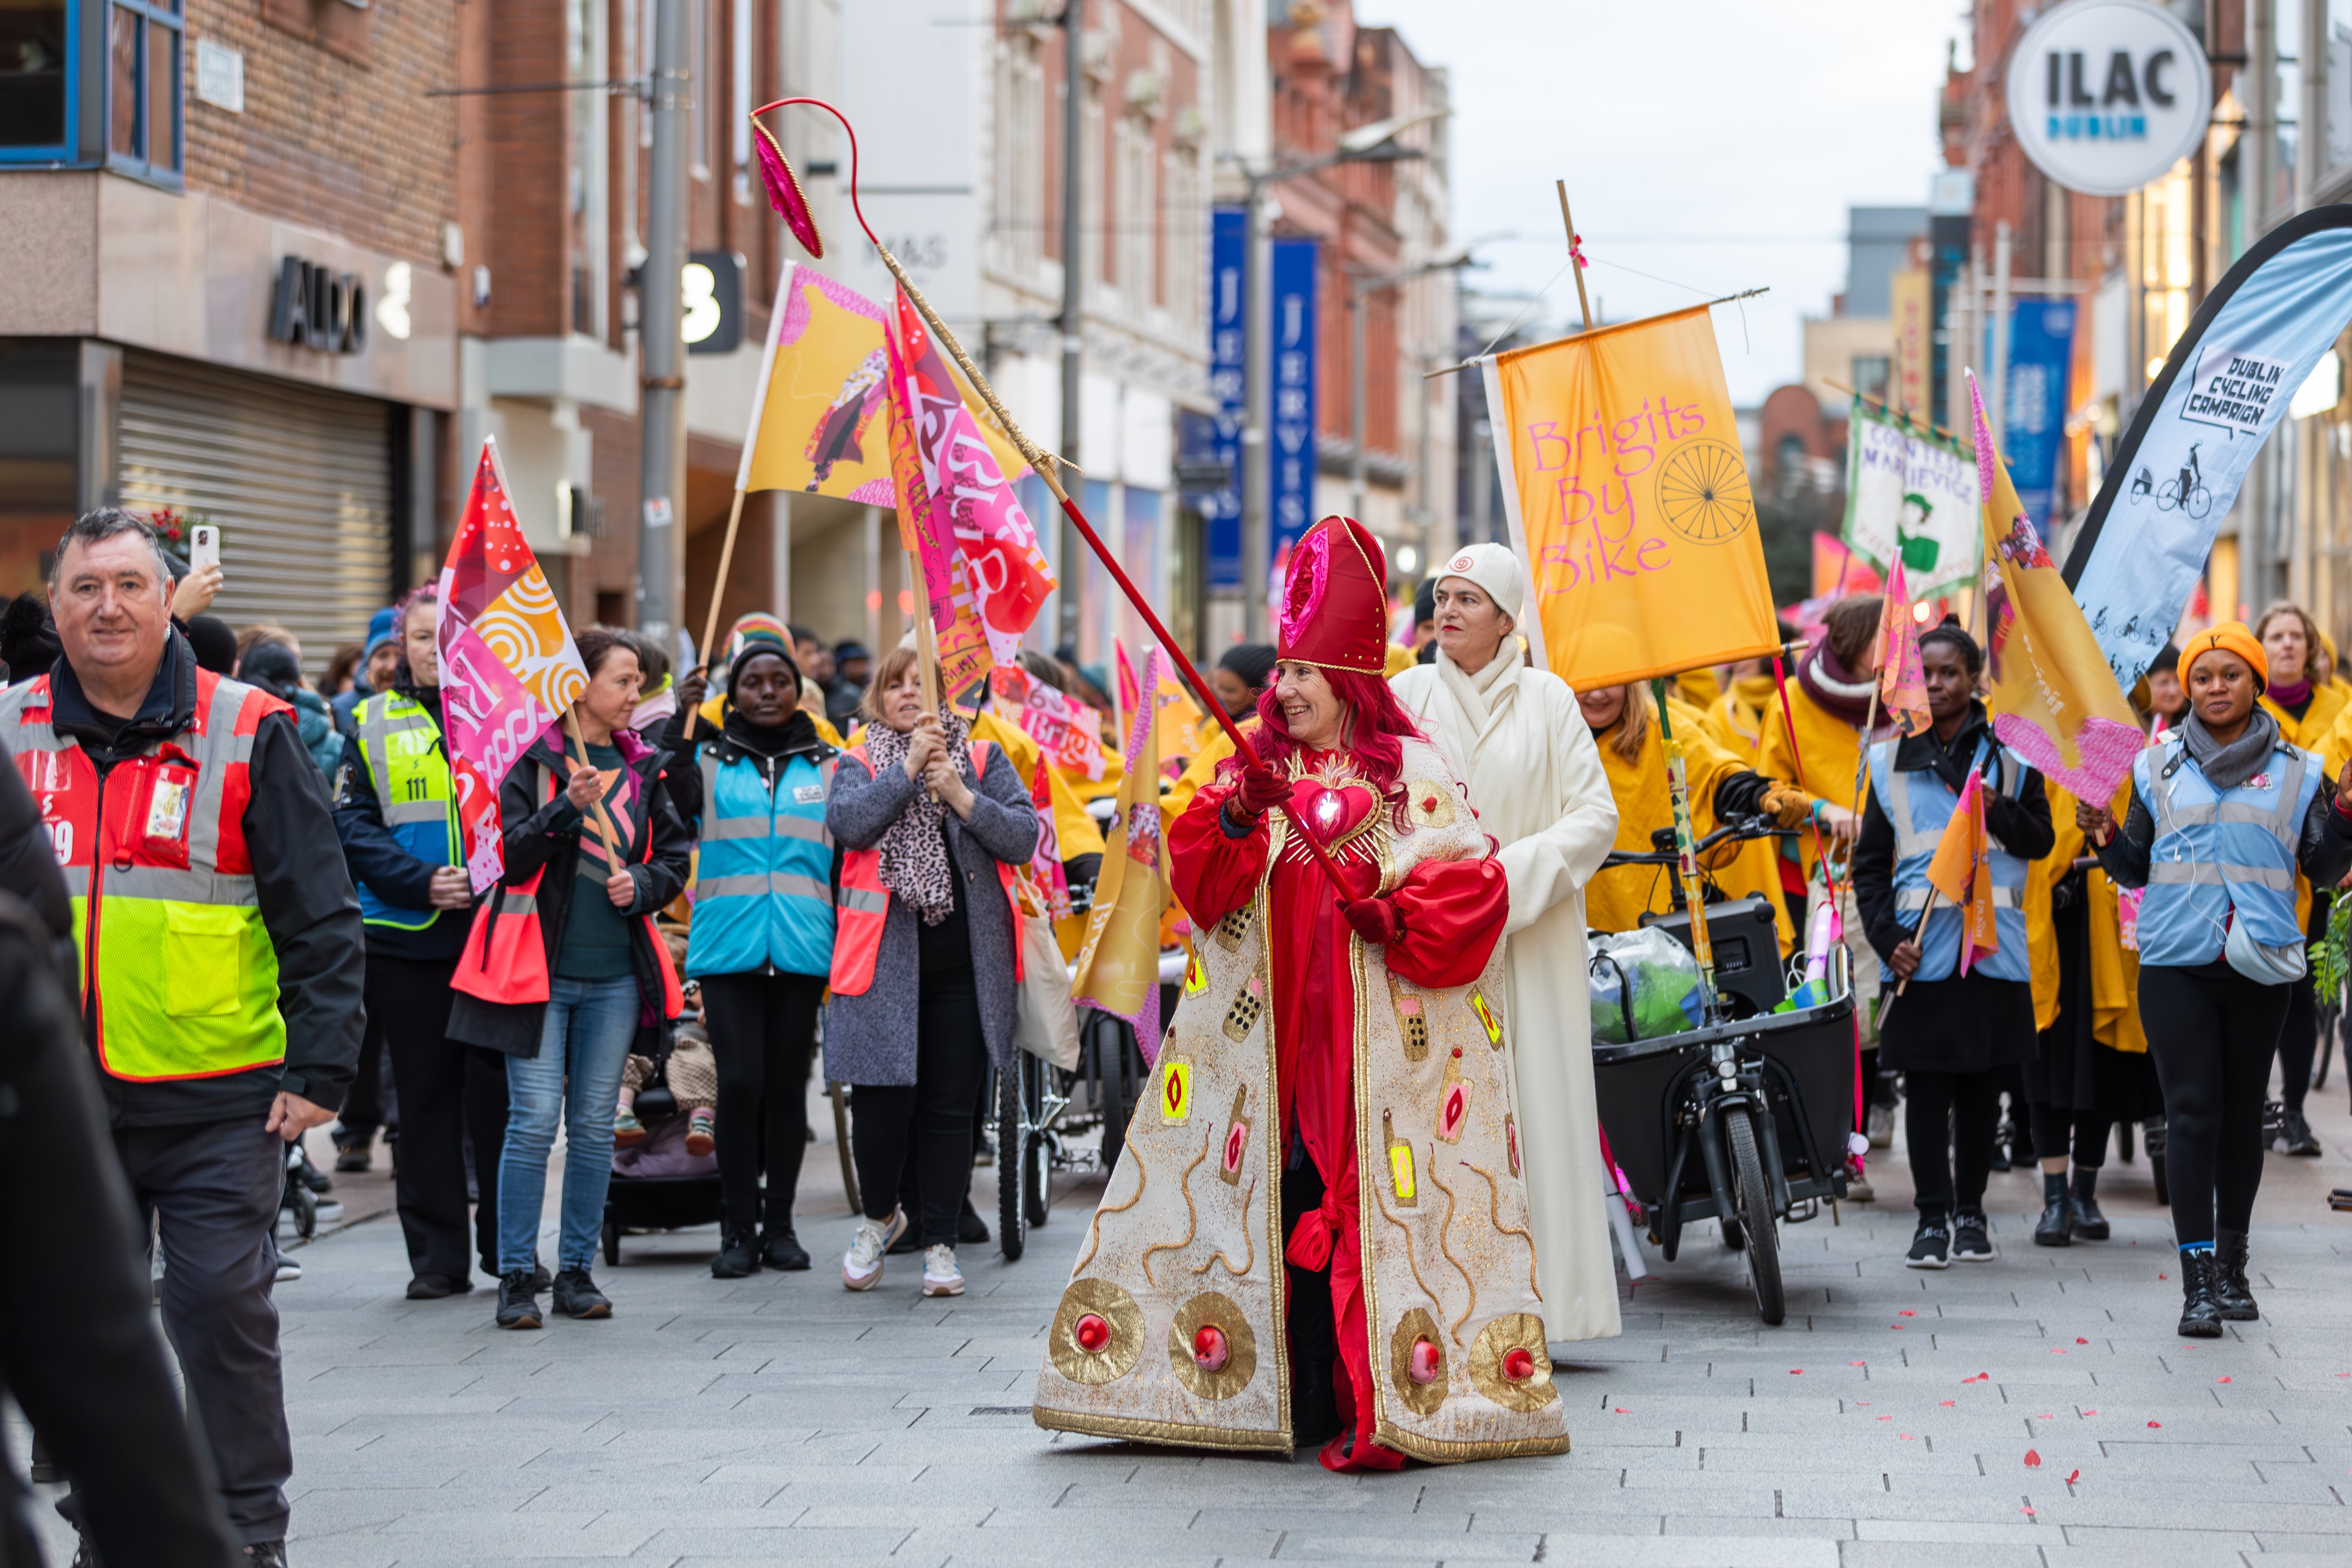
(870, 1038)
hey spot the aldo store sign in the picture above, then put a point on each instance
(2105, 96)
(314, 307)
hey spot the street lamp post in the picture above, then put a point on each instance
(1375, 142)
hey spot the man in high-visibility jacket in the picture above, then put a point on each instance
(220, 963)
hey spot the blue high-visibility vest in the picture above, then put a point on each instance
(1918, 804)
(763, 881)
(2220, 853)
(411, 774)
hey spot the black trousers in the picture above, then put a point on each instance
(1947, 1121)
(450, 1094)
(2053, 1129)
(2211, 1031)
(763, 1028)
(1314, 1335)
(210, 1191)
(929, 1120)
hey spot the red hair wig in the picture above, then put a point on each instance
(1372, 733)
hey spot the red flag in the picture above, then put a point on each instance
(1130, 691)
(970, 495)
(509, 666)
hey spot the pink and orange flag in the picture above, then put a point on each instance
(2055, 700)
(1902, 681)
(509, 666)
(1961, 874)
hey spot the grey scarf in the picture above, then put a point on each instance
(2227, 767)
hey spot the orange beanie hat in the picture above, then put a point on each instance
(2234, 636)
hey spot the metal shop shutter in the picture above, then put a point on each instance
(298, 478)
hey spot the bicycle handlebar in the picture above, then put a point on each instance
(1740, 827)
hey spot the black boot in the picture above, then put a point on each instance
(2089, 1223)
(2230, 1287)
(1313, 1406)
(2056, 1227)
(739, 1257)
(782, 1249)
(2200, 1312)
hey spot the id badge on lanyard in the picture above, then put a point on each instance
(162, 826)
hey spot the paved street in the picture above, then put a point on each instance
(1897, 1419)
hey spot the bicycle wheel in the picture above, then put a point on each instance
(1011, 1214)
(1754, 1197)
(1037, 1154)
(841, 1143)
(2167, 495)
(2198, 501)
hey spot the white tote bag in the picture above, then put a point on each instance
(1045, 1025)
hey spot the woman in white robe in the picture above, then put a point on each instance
(1537, 783)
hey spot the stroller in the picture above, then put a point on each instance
(669, 1201)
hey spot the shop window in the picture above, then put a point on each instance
(142, 87)
(1871, 372)
(36, 82)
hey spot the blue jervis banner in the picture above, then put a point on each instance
(2223, 389)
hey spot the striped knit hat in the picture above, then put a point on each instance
(757, 626)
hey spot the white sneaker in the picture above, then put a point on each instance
(286, 1267)
(940, 1275)
(862, 1265)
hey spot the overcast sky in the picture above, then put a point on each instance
(1714, 142)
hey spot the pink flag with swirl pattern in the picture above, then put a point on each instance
(510, 668)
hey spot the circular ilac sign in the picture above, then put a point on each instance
(2105, 96)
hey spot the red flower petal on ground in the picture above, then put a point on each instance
(1906, 1312)
(2033, 1459)
(1948, 1401)
(2072, 1477)
(2090, 1413)
(2222, 1379)
(2155, 1424)
(2080, 1341)
(1800, 1372)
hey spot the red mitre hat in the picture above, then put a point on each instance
(1335, 604)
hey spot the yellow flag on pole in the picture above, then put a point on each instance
(1628, 501)
(1118, 967)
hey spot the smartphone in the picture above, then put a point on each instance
(204, 547)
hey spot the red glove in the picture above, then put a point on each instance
(1375, 919)
(1258, 791)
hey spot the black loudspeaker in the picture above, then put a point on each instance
(1748, 969)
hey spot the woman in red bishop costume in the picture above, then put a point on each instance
(1363, 1122)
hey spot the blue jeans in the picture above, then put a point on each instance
(577, 1076)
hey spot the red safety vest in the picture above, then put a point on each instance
(504, 957)
(864, 906)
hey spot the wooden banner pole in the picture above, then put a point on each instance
(604, 821)
(1575, 260)
(718, 589)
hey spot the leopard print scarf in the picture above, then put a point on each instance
(914, 850)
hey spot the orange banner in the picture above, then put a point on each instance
(1628, 499)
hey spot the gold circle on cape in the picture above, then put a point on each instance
(1208, 1309)
(1513, 1331)
(1114, 1307)
(1421, 1398)
(1429, 804)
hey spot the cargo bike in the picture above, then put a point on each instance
(1746, 1118)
